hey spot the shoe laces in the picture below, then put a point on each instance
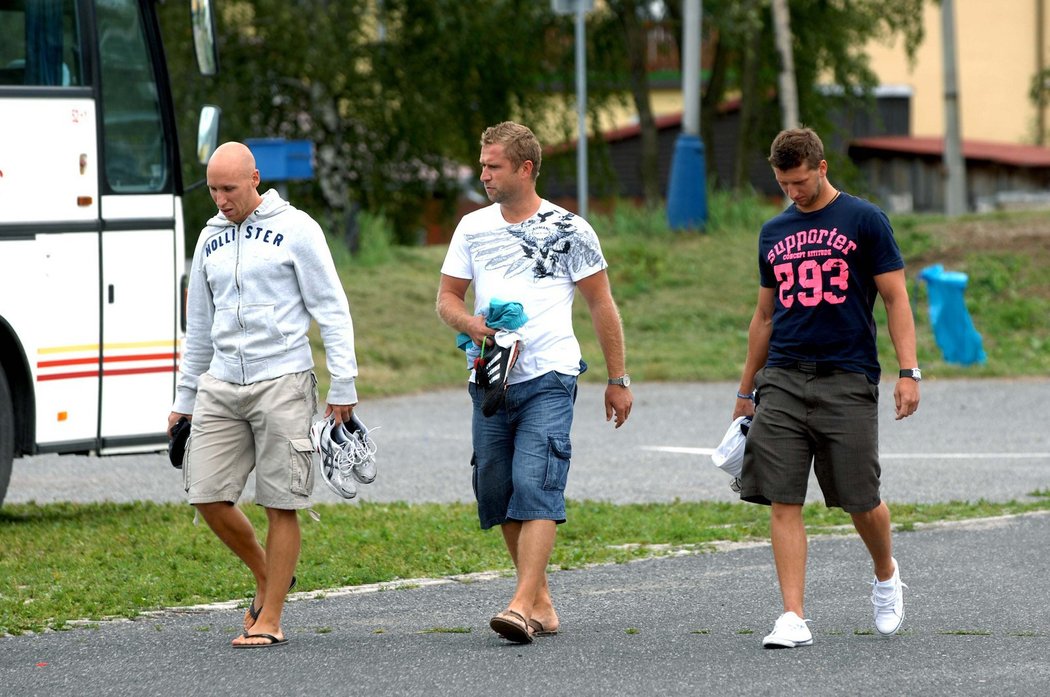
(883, 600)
(360, 448)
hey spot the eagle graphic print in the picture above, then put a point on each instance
(547, 245)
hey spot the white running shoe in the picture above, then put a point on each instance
(364, 451)
(888, 599)
(336, 464)
(789, 631)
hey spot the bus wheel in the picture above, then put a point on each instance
(7, 435)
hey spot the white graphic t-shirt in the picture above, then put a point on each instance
(535, 262)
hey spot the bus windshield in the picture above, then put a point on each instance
(40, 44)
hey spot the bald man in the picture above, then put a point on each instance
(261, 270)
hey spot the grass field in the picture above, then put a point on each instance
(66, 562)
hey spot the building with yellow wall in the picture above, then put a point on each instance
(1000, 47)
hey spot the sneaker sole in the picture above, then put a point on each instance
(361, 478)
(895, 629)
(784, 643)
(337, 490)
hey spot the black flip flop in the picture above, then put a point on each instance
(254, 612)
(274, 641)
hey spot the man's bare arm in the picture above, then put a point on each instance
(452, 309)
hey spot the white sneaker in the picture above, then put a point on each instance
(888, 599)
(336, 464)
(789, 631)
(363, 452)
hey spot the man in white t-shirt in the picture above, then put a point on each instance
(527, 250)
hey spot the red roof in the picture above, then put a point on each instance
(635, 129)
(1014, 154)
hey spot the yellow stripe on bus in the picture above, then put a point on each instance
(164, 343)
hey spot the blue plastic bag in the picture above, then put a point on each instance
(953, 329)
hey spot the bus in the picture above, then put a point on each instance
(92, 259)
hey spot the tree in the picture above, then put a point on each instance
(393, 94)
(832, 70)
(631, 18)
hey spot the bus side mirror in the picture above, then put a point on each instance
(208, 132)
(202, 18)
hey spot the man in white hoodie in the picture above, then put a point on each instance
(261, 270)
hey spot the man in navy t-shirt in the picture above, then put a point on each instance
(811, 378)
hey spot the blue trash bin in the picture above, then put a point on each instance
(953, 328)
(687, 188)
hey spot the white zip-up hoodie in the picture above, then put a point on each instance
(253, 289)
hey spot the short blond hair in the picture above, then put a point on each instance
(519, 144)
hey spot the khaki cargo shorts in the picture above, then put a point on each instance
(264, 426)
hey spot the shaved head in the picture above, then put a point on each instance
(233, 181)
(233, 157)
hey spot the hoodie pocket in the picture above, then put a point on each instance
(261, 325)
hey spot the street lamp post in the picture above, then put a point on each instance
(580, 8)
(687, 191)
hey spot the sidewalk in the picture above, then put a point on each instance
(977, 623)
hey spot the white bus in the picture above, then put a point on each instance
(91, 228)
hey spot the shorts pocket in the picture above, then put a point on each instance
(474, 473)
(186, 466)
(559, 452)
(301, 461)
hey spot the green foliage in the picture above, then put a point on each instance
(394, 95)
(739, 30)
(62, 562)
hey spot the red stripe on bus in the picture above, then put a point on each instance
(139, 371)
(94, 373)
(108, 359)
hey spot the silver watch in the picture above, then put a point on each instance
(623, 381)
(913, 373)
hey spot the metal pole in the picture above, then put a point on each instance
(786, 77)
(581, 110)
(687, 185)
(691, 18)
(955, 184)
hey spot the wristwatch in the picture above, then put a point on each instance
(913, 373)
(623, 381)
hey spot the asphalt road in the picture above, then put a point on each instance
(977, 617)
(970, 439)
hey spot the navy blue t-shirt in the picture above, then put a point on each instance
(822, 265)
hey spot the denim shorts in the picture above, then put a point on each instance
(829, 420)
(522, 452)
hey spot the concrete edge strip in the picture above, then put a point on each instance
(482, 576)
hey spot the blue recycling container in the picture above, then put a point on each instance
(953, 328)
(687, 190)
(281, 160)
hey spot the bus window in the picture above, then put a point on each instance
(40, 43)
(136, 159)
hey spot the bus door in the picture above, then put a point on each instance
(142, 242)
(49, 213)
